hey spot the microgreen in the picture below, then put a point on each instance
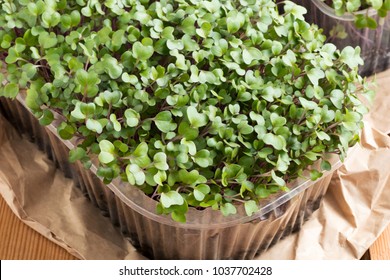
(201, 103)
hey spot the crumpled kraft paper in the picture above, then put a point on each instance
(355, 210)
(48, 202)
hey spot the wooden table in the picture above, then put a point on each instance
(18, 241)
(380, 250)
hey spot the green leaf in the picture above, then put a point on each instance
(199, 196)
(118, 38)
(171, 198)
(282, 164)
(76, 113)
(231, 171)
(178, 217)
(363, 21)
(11, 90)
(88, 82)
(111, 66)
(30, 70)
(351, 56)
(250, 207)
(135, 175)
(307, 104)
(132, 117)
(75, 17)
(251, 54)
(246, 186)
(277, 47)
(20, 45)
(12, 56)
(277, 121)
(140, 155)
(371, 23)
(323, 135)
(164, 123)
(32, 98)
(34, 9)
(117, 126)
(77, 154)
(66, 21)
(160, 161)
(279, 181)
(107, 151)
(141, 51)
(121, 146)
(88, 109)
(337, 97)
(47, 118)
(234, 20)
(315, 174)
(175, 44)
(47, 40)
(94, 125)
(131, 79)
(244, 128)
(296, 10)
(196, 119)
(276, 141)
(314, 75)
(6, 41)
(270, 93)
(228, 209)
(187, 131)
(386, 5)
(190, 146)
(289, 58)
(66, 131)
(50, 18)
(191, 178)
(188, 25)
(262, 192)
(202, 158)
(311, 155)
(257, 118)
(351, 116)
(200, 191)
(325, 165)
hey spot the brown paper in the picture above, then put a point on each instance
(355, 210)
(49, 203)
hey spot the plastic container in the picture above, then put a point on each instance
(374, 43)
(207, 234)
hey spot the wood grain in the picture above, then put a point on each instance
(20, 242)
(380, 250)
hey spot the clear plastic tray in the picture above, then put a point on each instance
(207, 233)
(374, 43)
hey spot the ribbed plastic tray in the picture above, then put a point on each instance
(207, 233)
(374, 43)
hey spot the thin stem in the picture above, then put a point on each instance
(332, 126)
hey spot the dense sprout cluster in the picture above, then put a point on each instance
(198, 103)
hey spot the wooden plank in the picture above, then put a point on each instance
(380, 250)
(18, 241)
